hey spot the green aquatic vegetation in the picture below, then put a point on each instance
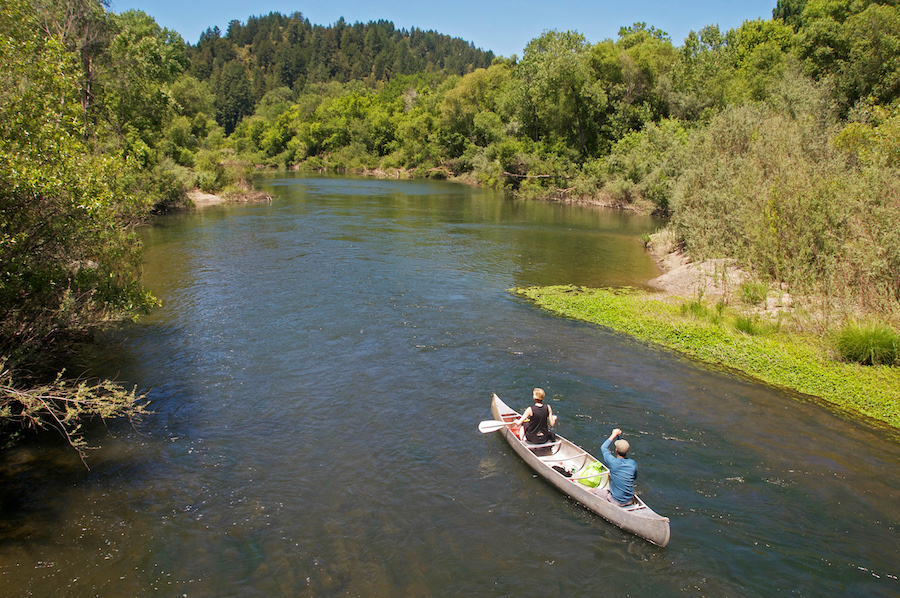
(793, 360)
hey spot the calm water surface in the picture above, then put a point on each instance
(317, 374)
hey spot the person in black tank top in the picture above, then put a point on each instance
(538, 420)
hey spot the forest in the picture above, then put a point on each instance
(773, 144)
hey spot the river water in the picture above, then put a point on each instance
(317, 372)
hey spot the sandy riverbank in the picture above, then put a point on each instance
(711, 280)
(202, 199)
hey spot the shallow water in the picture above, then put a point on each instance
(317, 374)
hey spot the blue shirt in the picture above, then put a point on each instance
(622, 473)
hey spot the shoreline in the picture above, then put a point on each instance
(694, 310)
(201, 199)
(799, 362)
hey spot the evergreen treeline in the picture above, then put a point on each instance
(278, 51)
(775, 144)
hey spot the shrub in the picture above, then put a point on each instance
(621, 191)
(869, 343)
(765, 189)
(752, 325)
(695, 308)
(753, 292)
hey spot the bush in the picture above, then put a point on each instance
(621, 191)
(869, 343)
(695, 308)
(753, 326)
(772, 193)
(753, 292)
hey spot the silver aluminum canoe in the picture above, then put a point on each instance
(637, 518)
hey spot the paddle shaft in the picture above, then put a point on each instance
(493, 425)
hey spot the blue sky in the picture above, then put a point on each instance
(503, 26)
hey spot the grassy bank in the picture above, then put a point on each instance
(796, 361)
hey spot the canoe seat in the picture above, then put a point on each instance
(542, 445)
(634, 506)
(544, 449)
(575, 456)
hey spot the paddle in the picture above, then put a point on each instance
(492, 426)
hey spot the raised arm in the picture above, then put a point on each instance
(608, 457)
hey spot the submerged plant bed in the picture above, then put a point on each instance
(792, 360)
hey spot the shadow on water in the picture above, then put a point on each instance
(317, 373)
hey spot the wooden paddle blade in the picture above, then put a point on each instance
(492, 426)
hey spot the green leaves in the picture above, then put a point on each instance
(67, 258)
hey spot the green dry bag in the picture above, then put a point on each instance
(593, 481)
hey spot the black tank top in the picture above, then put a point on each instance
(536, 430)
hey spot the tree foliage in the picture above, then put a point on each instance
(68, 257)
(276, 50)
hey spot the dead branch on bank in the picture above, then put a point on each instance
(64, 404)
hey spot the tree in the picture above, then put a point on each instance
(789, 11)
(555, 92)
(142, 61)
(759, 49)
(473, 94)
(68, 258)
(856, 45)
(873, 66)
(84, 28)
(701, 75)
(233, 99)
(630, 72)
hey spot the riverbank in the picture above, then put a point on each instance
(727, 337)
(201, 199)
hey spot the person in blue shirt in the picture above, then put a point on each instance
(622, 471)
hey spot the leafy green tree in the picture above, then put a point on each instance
(701, 76)
(142, 61)
(760, 50)
(874, 55)
(631, 72)
(475, 93)
(554, 93)
(193, 100)
(85, 29)
(415, 139)
(789, 11)
(68, 258)
(855, 45)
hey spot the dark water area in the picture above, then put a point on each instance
(317, 372)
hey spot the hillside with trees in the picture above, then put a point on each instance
(288, 52)
(773, 144)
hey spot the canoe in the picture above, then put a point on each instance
(637, 518)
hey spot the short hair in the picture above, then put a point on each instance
(539, 394)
